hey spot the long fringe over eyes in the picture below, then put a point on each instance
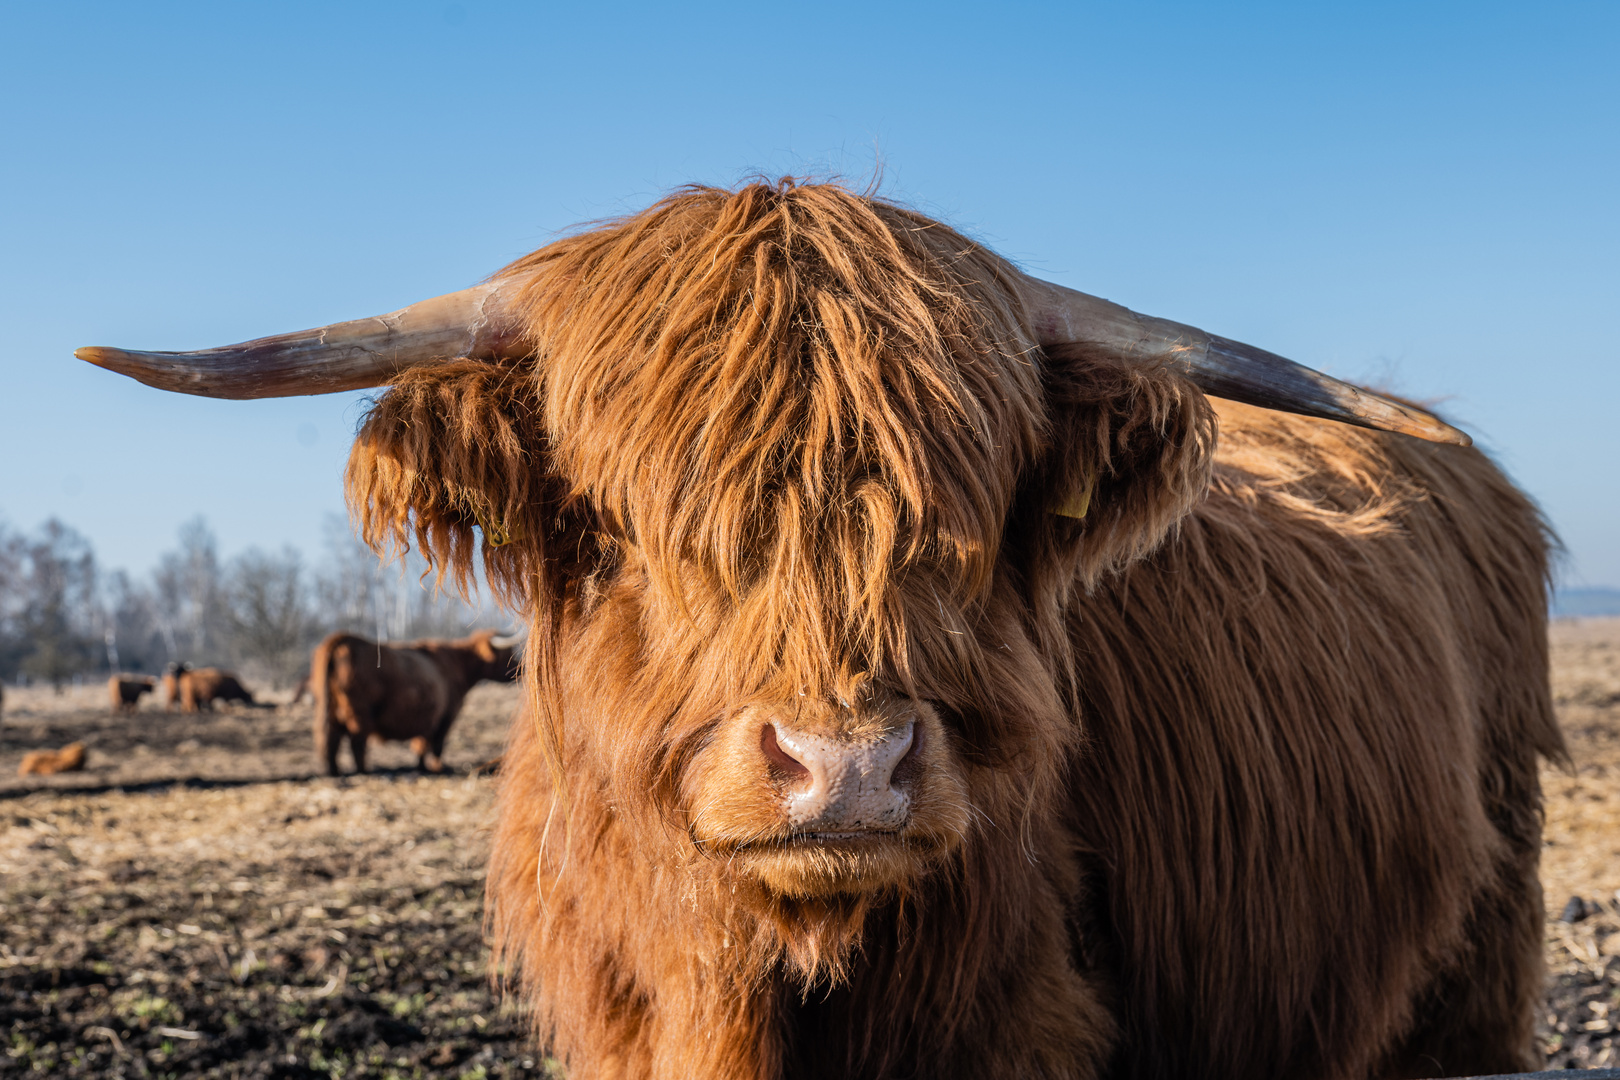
(792, 397)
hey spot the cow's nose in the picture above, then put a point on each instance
(837, 785)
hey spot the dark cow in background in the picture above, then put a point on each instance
(407, 692)
(928, 680)
(124, 691)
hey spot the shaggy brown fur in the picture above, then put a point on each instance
(124, 691)
(410, 692)
(50, 762)
(1310, 806)
(1258, 801)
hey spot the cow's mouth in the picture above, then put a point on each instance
(811, 839)
(806, 864)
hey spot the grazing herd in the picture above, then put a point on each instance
(408, 692)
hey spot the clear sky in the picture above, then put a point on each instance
(1424, 195)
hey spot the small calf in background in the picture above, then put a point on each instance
(50, 762)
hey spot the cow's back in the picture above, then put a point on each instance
(1313, 720)
(394, 692)
(417, 698)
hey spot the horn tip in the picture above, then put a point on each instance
(122, 361)
(136, 365)
(1431, 428)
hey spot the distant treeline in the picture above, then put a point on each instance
(62, 616)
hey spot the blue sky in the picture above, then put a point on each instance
(1423, 195)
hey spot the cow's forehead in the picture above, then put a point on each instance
(810, 385)
(807, 409)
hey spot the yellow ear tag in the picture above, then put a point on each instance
(1076, 505)
(496, 533)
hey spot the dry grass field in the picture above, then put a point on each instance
(195, 903)
(1580, 867)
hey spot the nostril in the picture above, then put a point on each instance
(789, 766)
(901, 755)
(907, 763)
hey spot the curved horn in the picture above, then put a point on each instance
(474, 323)
(1219, 366)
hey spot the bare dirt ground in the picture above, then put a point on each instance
(1580, 859)
(197, 903)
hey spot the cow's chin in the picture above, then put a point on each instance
(821, 866)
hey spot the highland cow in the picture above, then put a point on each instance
(50, 762)
(926, 678)
(196, 689)
(124, 691)
(411, 692)
(172, 674)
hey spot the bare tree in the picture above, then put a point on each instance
(395, 601)
(60, 612)
(347, 587)
(267, 611)
(13, 597)
(132, 629)
(60, 618)
(189, 604)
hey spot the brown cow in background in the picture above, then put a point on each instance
(199, 689)
(124, 691)
(410, 691)
(171, 683)
(196, 689)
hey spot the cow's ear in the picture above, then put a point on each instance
(449, 454)
(1129, 455)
